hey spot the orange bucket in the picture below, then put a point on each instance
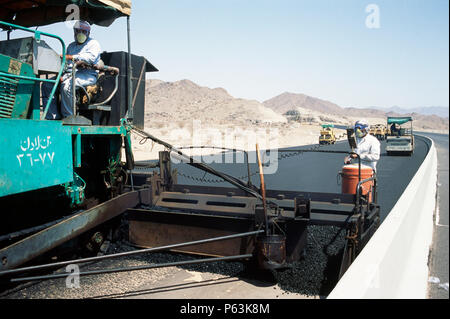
(350, 179)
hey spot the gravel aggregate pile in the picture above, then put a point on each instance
(310, 276)
(316, 274)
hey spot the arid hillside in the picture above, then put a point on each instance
(303, 107)
(184, 113)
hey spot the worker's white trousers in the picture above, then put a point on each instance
(81, 79)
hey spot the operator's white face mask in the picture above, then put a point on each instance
(359, 133)
(81, 37)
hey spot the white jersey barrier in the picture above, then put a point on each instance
(394, 263)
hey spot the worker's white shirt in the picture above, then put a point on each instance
(89, 52)
(368, 149)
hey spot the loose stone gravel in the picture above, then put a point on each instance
(313, 275)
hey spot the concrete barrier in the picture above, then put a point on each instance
(394, 263)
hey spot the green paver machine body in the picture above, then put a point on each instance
(72, 160)
(38, 153)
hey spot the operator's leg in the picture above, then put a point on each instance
(66, 91)
(46, 89)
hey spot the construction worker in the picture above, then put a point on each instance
(84, 49)
(395, 129)
(368, 146)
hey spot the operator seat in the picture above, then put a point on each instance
(89, 99)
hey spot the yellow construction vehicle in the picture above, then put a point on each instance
(327, 135)
(372, 130)
(380, 131)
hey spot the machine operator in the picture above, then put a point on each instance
(84, 48)
(368, 146)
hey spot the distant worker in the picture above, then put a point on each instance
(395, 129)
(84, 49)
(367, 146)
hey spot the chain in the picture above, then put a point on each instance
(281, 157)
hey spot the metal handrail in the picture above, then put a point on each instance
(37, 35)
(104, 69)
(358, 187)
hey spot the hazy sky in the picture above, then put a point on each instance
(257, 49)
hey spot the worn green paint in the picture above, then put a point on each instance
(15, 94)
(77, 150)
(103, 130)
(34, 155)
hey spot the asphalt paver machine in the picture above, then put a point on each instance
(63, 179)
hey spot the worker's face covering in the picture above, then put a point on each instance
(359, 133)
(81, 37)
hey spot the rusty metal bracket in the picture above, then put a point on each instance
(51, 237)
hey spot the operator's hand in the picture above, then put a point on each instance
(68, 57)
(348, 159)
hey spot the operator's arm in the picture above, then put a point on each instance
(90, 54)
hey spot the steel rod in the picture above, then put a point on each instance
(192, 162)
(313, 151)
(116, 270)
(33, 229)
(263, 188)
(130, 112)
(128, 253)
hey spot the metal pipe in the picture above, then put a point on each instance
(192, 162)
(116, 270)
(263, 189)
(128, 253)
(29, 230)
(112, 94)
(249, 180)
(73, 90)
(312, 151)
(37, 35)
(129, 73)
(139, 82)
(358, 195)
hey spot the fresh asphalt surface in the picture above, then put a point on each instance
(318, 172)
(313, 172)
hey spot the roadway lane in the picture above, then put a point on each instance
(439, 266)
(318, 172)
(314, 276)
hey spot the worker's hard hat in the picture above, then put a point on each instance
(82, 25)
(361, 124)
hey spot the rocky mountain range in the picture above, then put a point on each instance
(184, 100)
(440, 111)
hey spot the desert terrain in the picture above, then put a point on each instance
(183, 113)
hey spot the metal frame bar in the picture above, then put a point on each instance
(58, 77)
(117, 270)
(37, 244)
(128, 253)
